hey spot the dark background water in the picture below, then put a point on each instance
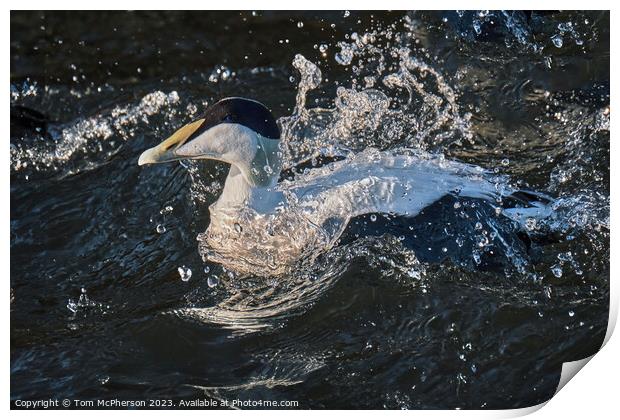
(87, 219)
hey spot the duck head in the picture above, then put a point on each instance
(241, 132)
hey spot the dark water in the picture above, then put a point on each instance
(95, 286)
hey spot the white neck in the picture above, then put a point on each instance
(250, 182)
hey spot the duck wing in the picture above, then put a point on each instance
(385, 182)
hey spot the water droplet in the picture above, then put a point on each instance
(166, 210)
(206, 269)
(557, 271)
(571, 313)
(72, 306)
(238, 228)
(478, 226)
(530, 223)
(300, 24)
(548, 61)
(505, 161)
(557, 41)
(565, 256)
(413, 273)
(345, 56)
(160, 228)
(373, 217)
(346, 14)
(477, 27)
(185, 273)
(212, 280)
(323, 48)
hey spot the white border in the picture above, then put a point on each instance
(593, 394)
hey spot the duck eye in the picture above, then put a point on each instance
(228, 118)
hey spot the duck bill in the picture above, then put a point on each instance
(165, 151)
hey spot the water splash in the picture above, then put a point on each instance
(84, 304)
(100, 134)
(416, 107)
(398, 100)
(253, 303)
(404, 105)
